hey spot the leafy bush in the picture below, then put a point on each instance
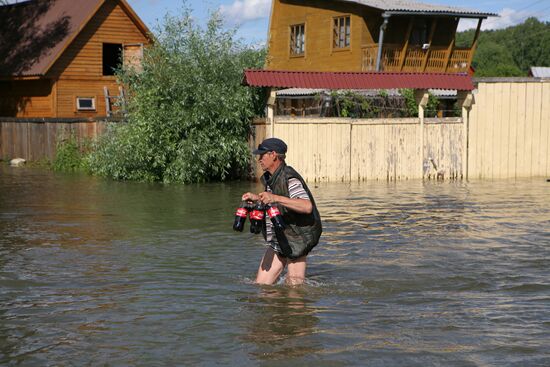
(70, 155)
(188, 114)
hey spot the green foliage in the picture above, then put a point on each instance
(510, 51)
(412, 105)
(70, 155)
(188, 114)
(355, 105)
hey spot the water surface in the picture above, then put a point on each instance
(413, 273)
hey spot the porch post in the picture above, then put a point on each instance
(422, 96)
(475, 41)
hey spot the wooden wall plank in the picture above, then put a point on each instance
(536, 158)
(545, 131)
(512, 130)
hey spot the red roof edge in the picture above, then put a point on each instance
(356, 80)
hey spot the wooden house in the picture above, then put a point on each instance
(59, 56)
(368, 35)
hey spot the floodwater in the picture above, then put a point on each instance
(413, 273)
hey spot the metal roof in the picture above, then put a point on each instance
(305, 92)
(299, 92)
(540, 71)
(34, 33)
(408, 6)
(356, 80)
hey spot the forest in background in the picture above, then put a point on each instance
(510, 51)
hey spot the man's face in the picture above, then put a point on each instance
(268, 161)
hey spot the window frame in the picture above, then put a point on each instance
(292, 38)
(336, 37)
(85, 109)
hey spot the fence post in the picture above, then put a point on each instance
(465, 100)
(270, 110)
(421, 96)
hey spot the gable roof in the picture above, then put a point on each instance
(34, 34)
(356, 80)
(409, 6)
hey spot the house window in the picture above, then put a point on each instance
(112, 56)
(297, 39)
(85, 103)
(341, 32)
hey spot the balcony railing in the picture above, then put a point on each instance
(415, 59)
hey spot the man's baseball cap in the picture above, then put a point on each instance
(271, 145)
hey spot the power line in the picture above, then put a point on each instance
(530, 5)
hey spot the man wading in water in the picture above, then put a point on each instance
(287, 191)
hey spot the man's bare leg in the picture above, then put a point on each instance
(270, 268)
(296, 274)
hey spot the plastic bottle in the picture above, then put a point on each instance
(257, 217)
(240, 217)
(276, 217)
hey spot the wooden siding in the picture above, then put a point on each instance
(78, 71)
(68, 90)
(510, 130)
(80, 67)
(83, 58)
(26, 98)
(398, 54)
(319, 52)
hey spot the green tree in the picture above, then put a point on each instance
(188, 114)
(510, 51)
(495, 60)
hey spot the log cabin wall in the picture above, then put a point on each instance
(403, 42)
(319, 55)
(80, 68)
(78, 72)
(26, 98)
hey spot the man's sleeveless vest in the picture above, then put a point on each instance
(302, 231)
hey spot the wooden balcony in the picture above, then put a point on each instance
(415, 59)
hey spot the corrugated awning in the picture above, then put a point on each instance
(356, 80)
(409, 6)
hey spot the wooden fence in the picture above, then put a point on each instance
(510, 129)
(507, 133)
(35, 139)
(341, 149)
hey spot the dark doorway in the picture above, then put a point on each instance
(112, 57)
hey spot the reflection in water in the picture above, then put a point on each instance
(415, 273)
(281, 319)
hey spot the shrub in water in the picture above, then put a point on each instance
(188, 114)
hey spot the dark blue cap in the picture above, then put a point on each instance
(271, 145)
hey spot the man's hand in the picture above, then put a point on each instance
(267, 197)
(248, 196)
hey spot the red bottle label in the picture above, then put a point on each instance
(241, 212)
(257, 215)
(273, 212)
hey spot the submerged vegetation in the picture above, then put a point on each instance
(188, 115)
